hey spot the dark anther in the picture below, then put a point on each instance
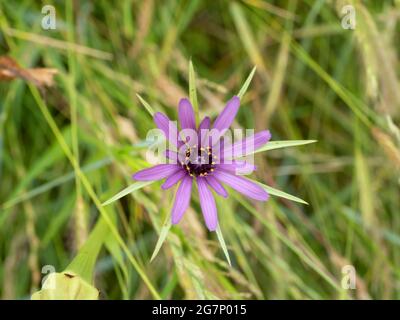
(199, 161)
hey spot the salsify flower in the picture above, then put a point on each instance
(204, 161)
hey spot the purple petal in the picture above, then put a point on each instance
(217, 186)
(204, 126)
(172, 156)
(188, 136)
(207, 204)
(217, 145)
(182, 199)
(247, 145)
(226, 117)
(186, 115)
(238, 167)
(157, 172)
(242, 185)
(173, 179)
(167, 126)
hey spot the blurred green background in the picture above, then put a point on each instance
(314, 80)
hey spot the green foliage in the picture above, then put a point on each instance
(66, 149)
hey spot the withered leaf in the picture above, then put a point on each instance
(10, 70)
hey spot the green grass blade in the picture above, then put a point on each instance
(149, 109)
(283, 144)
(163, 235)
(193, 91)
(85, 182)
(246, 84)
(223, 245)
(246, 35)
(280, 193)
(84, 262)
(133, 187)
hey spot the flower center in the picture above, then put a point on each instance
(199, 161)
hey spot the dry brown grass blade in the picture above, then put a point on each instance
(8, 69)
(42, 76)
(11, 70)
(143, 26)
(362, 289)
(379, 60)
(388, 146)
(57, 44)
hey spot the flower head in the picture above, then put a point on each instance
(204, 154)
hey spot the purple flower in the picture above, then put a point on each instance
(204, 159)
